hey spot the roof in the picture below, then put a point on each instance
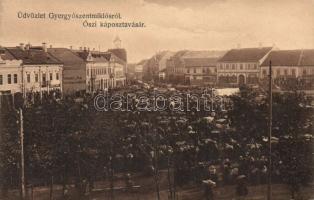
(297, 57)
(66, 56)
(203, 54)
(97, 56)
(33, 56)
(142, 62)
(175, 60)
(120, 53)
(197, 62)
(245, 54)
(5, 54)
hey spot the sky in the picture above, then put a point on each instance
(169, 24)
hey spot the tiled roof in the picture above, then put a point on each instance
(33, 56)
(82, 54)
(97, 56)
(307, 57)
(203, 54)
(200, 62)
(120, 53)
(245, 54)
(65, 55)
(291, 58)
(6, 55)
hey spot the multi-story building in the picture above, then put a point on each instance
(175, 69)
(74, 70)
(292, 69)
(200, 71)
(119, 67)
(40, 71)
(99, 74)
(10, 73)
(200, 67)
(103, 70)
(241, 66)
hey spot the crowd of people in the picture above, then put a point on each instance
(196, 146)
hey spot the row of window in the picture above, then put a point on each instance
(236, 66)
(100, 71)
(44, 77)
(13, 78)
(9, 79)
(287, 72)
(204, 70)
(174, 70)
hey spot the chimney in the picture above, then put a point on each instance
(84, 48)
(88, 49)
(50, 46)
(44, 47)
(71, 47)
(80, 48)
(22, 46)
(93, 49)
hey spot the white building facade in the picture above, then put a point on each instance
(241, 66)
(10, 73)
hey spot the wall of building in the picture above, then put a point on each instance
(42, 77)
(10, 76)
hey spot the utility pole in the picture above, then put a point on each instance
(22, 156)
(269, 188)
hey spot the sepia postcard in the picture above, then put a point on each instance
(156, 100)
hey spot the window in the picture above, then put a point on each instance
(286, 72)
(293, 72)
(233, 66)
(1, 80)
(278, 72)
(227, 66)
(28, 78)
(204, 70)
(9, 78)
(50, 76)
(241, 66)
(57, 76)
(44, 78)
(304, 72)
(188, 71)
(36, 78)
(15, 78)
(255, 66)
(194, 71)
